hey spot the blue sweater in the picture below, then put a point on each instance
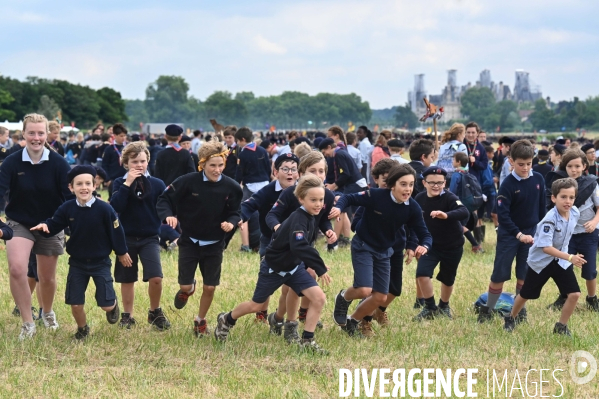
(481, 162)
(95, 231)
(34, 191)
(346, 171)
(139, 217)
(253, 165)
(520, 203)
(6, 231)
(383, 218)
(111, 161)
(261, 201)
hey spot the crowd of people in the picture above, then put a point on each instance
(389, 199)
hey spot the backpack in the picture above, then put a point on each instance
(504, 304)
(70, 158)
(471, 193)
(445, 159)
(487, 183)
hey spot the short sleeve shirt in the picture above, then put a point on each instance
(552, 231)
(587, 211)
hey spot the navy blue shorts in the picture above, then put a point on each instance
(32, 267)
(268, 283)
(508, 249)
(586, 244)
(448, 261)
(372, 268)
(396, 271)
(144, 249)
(80, 271)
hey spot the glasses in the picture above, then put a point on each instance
(435, 183)
(287, 170)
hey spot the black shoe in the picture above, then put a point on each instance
(419, 303)
(522, 316)
(16, 312)
(352, 328)
(113, 315)
(426, 314)
(483, 233)
(593, 303)
(341, 307)
(127, 321)
(290, 332)
(561, 329)
(445, 312)
(509, 323)
(276, 327)
(82, 333)
(182, 297)
(158, 319)
(484, 314)
(558, 304)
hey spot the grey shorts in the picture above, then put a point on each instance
(48, 246)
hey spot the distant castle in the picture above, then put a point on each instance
(452, 93)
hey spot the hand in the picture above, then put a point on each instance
(335, 212)
(526, 239)
(438, 215)
(125, 260)
(131, 176)
(240, 225)
(1, 233)
(472, 159)
(578, 261)
(337, 198)
(325, 279)
(172, 221)
(420, 250)
(408, 256)
(276, 227)
(226, 226)
(42, 226)
(332, 187)
(331, 236)
(312, 273)
(590, 226)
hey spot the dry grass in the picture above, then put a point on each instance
(147, 363)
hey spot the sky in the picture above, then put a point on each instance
(371, 48)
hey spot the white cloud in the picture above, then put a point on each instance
(265, 46)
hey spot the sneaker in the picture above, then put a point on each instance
(381, 317)
(34, 313)
(113, 315)
(50, 320)
(310, 345)
(343, 242)
(561, 329)
(127, 321)
(366, 329)
(558, 304)
(332, 248)
(261, 317)
(478, 249)
(509, 323)
(158, 319)
(593, 303)
(341, 307)
(172, 246)
(245, 248)
(182, 297)
(276, 327)
(221, 332)
(445, 312)
(16, 312)
(419, 303)
(27, 331)
(426, 314)
(484, 314)
(352, 329)
(522, 316)
(200, 328)
(290, 332)
(82, 333)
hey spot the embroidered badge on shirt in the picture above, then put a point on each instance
(116, 224)
(299, 235)
(459, 202)
(546, 229)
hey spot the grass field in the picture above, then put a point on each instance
(253, 364)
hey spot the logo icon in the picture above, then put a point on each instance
(583, 367)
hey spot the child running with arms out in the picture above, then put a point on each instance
(95, 233)
(285, 262)
(546, 261)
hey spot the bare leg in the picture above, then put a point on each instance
(245, 308)
(317, 300)
(17, 252)
(206, 300)
(128, 295)
(155, 292)
(79, 315)
(245, 235)
(346, 230)
(369, 305)
(390, 298)
(282, 309)
(292, 303)
(419, 293)
(591, 287)
(519, 303)
(446, 292)
(569, 307)
(46, 271)
(357, 293)
(426, 286)
(265, 306)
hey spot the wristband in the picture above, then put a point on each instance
(518, 236)
(570, 258)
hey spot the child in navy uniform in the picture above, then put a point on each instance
(285, 262)
(173, 161)
(443, 213)
(111, 158)
(231, 163)
(422, 154)
(95, 233)
(386, 211)
(460, 162)
(543, 166)
(134, 198)
(207, 206)
(546, 261)
(520, 207)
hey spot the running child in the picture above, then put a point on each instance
(95, 233)
(207, 206)
(134, 198)
(285, 262)
(546, 261)
(173, 162)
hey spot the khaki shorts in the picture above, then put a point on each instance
(49, 246)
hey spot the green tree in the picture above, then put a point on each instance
(48, 107)
(543, 117)
(226, 110)
(112, 106)
(5, 99)
(404, 117)
(166, 100)
(478, 104)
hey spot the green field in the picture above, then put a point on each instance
(146, 363)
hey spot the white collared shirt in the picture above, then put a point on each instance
(88, 204)
(147, 174)
(396, 201)
(520, 178)
(45, 156)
